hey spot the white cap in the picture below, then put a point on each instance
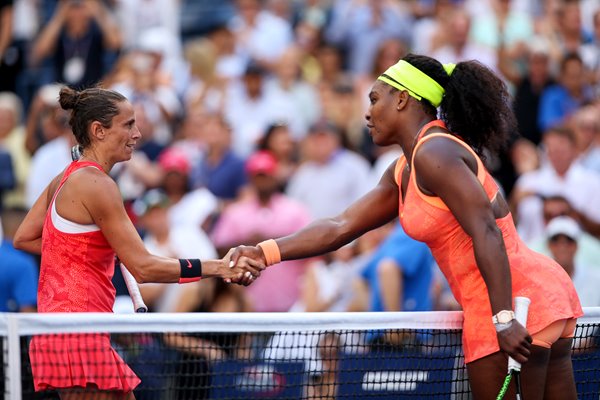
(563, 226)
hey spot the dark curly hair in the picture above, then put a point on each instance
(476, 105)
(87, 106)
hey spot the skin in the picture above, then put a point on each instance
(90, 196)
(395, 118)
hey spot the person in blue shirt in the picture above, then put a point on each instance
(18, 270)
(399, 275)
(560, 101)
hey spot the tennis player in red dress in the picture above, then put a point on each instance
(78, 224)
(447, 199)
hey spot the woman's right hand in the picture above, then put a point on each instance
(243, 268)
(515, 341)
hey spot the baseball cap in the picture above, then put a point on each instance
(261, 162)
(149, 200)
(563, 226)
(174, 160)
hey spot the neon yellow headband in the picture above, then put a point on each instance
(404, 76)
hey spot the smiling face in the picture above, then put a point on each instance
(382, 116)
(122, 136)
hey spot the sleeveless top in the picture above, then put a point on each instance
(541, 279)
(77, 266)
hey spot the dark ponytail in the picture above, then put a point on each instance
(87, 106)
(476, 105)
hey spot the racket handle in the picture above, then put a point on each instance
(134, 291)
(521, 310)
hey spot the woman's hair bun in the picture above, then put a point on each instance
(68, 97)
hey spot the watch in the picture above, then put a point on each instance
(503, 317)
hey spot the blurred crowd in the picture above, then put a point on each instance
(252, 116)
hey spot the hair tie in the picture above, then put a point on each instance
(449, 68)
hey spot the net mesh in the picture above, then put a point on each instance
(329, 363)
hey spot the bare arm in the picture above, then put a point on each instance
(374, 209)
(465, 197)
(391, 284)
(6, 19)
(46, 41)
(439, 159)
(110, 30)
(101, 197)
(29, 234)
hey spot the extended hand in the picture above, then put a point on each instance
(243, 270)
(247, 257)
(515, 341)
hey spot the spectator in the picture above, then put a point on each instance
(188, 208)
(144, 86)
(399, 274)
(501, 24)
(359, 27)
(53, 156)
(332, 177)
(590, 53)
(39, 128)
(586, 126)
(529, 85)
(560, 101)
(263, 214)
(278, 141)
(560, 175)
(77, 39)
(250, 108)
(219, 170)
(562, 235)
(298, 102)
(6, 24)
(138, 16)
(260, 35)
(12, 139)
(459, 46)
(18, 270)
(329, 283)
(588, 251)
(430, 30)
(165, 239)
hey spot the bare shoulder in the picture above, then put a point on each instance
(440, 153)
(94, 185)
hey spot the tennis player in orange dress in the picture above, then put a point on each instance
(445, 197)
(77, 225)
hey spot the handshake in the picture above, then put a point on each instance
(243, 264)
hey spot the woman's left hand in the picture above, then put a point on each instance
(515, 341)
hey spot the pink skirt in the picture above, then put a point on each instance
(79, 361)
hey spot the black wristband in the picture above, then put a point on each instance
(191, 270)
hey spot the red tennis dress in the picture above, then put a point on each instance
(75, 276)
(543, 281)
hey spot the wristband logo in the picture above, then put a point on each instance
(189, 264)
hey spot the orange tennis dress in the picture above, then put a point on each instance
(75, 276)
(543, 281)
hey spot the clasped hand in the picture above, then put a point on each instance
(244, 264)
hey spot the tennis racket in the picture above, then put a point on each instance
(514, 367)
(134, 290)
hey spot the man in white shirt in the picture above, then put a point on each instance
(563, 234)
(332, 177)
(560, 175)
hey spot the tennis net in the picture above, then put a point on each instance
(255, 355)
